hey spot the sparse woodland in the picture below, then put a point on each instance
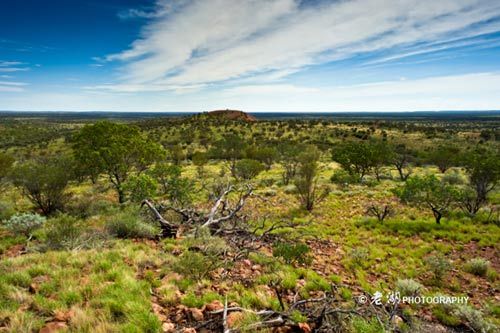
(209, 224)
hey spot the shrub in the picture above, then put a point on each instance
(473, 318)
(129, 225)
(477, 266)
(68, 233)
(140, 187)
(6, 210)
(202, 257)
(247, 168)
(343, 178)
(438, 265)
(24, 224)
(292, 252)
(408, 287)
(359, 256)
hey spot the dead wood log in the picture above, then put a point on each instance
(168, 229)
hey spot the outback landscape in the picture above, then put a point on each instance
(233, 222)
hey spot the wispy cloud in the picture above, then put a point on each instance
(12, 66)
(202, 42)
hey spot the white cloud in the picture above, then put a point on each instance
(199, 42)
(476, 91)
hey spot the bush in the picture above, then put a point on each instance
(247, 168)
(140, 187)
(359, 256)
(343, 178)
(293, 252)
(68, 233)
(24, 224)
(6, 210)
(477, 266)
(202, 257)
(438, 265)
(129, 225)
(409, 287)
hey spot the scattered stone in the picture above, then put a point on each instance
(53, 327)
(304, 327)
(196, 314)
(168, 328)
(214, 306)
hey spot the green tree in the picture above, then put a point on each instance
(428, 192)
(247, 168)
(401, 158)
(140, 187)
(483, 171)
(231, 148)
(114, 149)
(444, 157)
(178, 189)
(354, 157)
(43, 181)
(306, 179)
(6, 162)
(200, 159)
(288, 157)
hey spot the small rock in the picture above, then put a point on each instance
(168, 328)
(189, 330)
(304, 327)
(247, 263)
(196, 314)
(256, 268)
(214, 306)
(53, 327)
(397, 320)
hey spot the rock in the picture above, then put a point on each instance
(63, 315)
(256, 267)
(397, 320)
(196, 314)
(53, 327)
(168, 328)
(304, 327)
(247, 263)
(233, 318)
(189, 330)
(214, 306)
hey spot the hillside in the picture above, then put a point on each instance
(232, 115)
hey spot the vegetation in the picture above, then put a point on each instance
(150, 225)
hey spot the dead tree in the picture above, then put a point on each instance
(222, 211)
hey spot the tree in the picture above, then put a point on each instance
(288, 157)
(444, 157)
(354, 157)
(306, 180)
(200, 159)
(43, 181)
(483, 170)
(428, 192)
(401, 157)
(6, 162)
(247, 168)
(178, 189)
(140, 187)
(114, 149)
(230, 148)
(266, 155)
(379, 154)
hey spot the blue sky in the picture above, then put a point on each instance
(254, 55)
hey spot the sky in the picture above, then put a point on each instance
(251, 55)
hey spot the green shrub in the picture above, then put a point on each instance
(68, 233)
(24, 224)
(343, 178)
(247, 168)
(129, 225)
(477, 266)
(438, 265)
(195, 265)
(140, 187)
(293, 252)
(359, 256)
(408, 287)
(6, 210)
